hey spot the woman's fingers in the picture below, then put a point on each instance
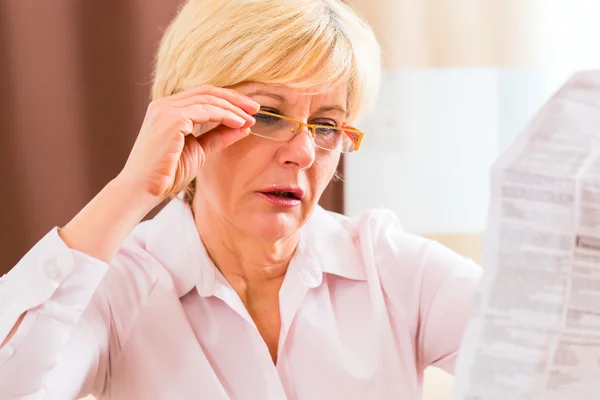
(208, 113)
(219, 138)
(244, 102)
(165, 156)
(215, 101)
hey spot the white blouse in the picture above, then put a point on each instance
(365, 308)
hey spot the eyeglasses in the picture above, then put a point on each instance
(281, 128)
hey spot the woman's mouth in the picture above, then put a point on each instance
(283, 197)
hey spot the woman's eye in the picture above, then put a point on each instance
(265, 119)
(326, 123)
(329, 132)
(270, 110)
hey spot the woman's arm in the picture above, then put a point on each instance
(101, 227)
(50, 291)
(165, 158)
(449, 283)
(54, 320)
(50, 302)
(431, 286)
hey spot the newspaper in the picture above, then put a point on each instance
(535, 328)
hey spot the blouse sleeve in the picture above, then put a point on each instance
(430, 289)
(60, 349)
(449, 282)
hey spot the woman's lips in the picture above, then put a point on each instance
(280, 200)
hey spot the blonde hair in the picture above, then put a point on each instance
(309, 45)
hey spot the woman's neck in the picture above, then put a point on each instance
(239, 256)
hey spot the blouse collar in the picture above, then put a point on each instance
(326, 246)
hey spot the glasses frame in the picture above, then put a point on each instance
(347, 130)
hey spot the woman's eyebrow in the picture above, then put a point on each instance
(282, 99)
(332, 108)
(277, 97)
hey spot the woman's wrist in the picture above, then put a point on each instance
(130, 194)
(102, 226)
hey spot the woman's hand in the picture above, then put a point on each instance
(164, 159)
(166, 156)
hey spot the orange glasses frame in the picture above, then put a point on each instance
(354, 134)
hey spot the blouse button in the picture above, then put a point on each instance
(52, 270)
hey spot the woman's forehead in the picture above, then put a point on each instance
(332, 98)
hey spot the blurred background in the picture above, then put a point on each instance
(461, 79)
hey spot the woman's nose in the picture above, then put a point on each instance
(298, 151)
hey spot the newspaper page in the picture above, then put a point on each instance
(535, 328)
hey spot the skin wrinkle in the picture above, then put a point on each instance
(261, 249)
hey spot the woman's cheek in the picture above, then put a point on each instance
(324, 170)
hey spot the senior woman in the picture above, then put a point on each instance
(241, 287)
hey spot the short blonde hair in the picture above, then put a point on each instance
(306, 44)
(309, 45)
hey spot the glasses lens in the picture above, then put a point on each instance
(274, 127)
(334, 139)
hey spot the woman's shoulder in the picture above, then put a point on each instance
(136, 268)
(150, 254)
(378, 231)
(402, 259)
(162, 252)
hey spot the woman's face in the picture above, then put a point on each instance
(238, 183)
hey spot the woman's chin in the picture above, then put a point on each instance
(273, 226)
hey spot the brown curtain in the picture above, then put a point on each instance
(74, 86)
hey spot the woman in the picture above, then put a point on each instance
(242, 287)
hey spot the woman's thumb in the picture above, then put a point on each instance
(219, 138)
